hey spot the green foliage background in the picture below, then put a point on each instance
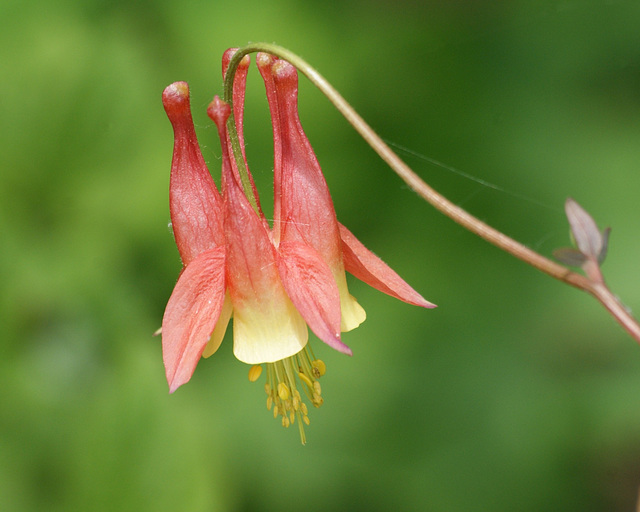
(517, 393)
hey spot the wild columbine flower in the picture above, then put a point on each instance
(275, 280)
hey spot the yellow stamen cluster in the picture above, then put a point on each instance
(284, 378)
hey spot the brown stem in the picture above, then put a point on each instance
(616, 308)
(441, 203)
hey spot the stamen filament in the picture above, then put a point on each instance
(284, 378)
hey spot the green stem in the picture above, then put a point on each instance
(438, 201)
(233, 133)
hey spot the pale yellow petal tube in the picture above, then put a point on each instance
(353, 313)
(220, 329)
(268, 332)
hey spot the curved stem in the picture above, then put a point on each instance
(438, 201)
(233, 133)
(616, 308)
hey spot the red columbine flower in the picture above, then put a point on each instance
(275, 281)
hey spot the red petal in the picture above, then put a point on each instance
(366, 266)
(311, 287)
(191, 315)
(306, 207)
(251, 256)
(265, 61)
(194, 200)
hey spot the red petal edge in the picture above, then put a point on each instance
(309, 282)
(366, 266)
(191, 315)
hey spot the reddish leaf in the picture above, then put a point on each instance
(585, 232)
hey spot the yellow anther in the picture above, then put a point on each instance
(283, 391)
(254, 372)
(305, 379)
(319, 368)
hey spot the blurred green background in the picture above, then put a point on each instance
(517, 393)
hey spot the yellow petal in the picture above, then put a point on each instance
(220, 329)
(352, 313)
(269, 333)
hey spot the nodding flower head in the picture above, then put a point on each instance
(275, 280)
